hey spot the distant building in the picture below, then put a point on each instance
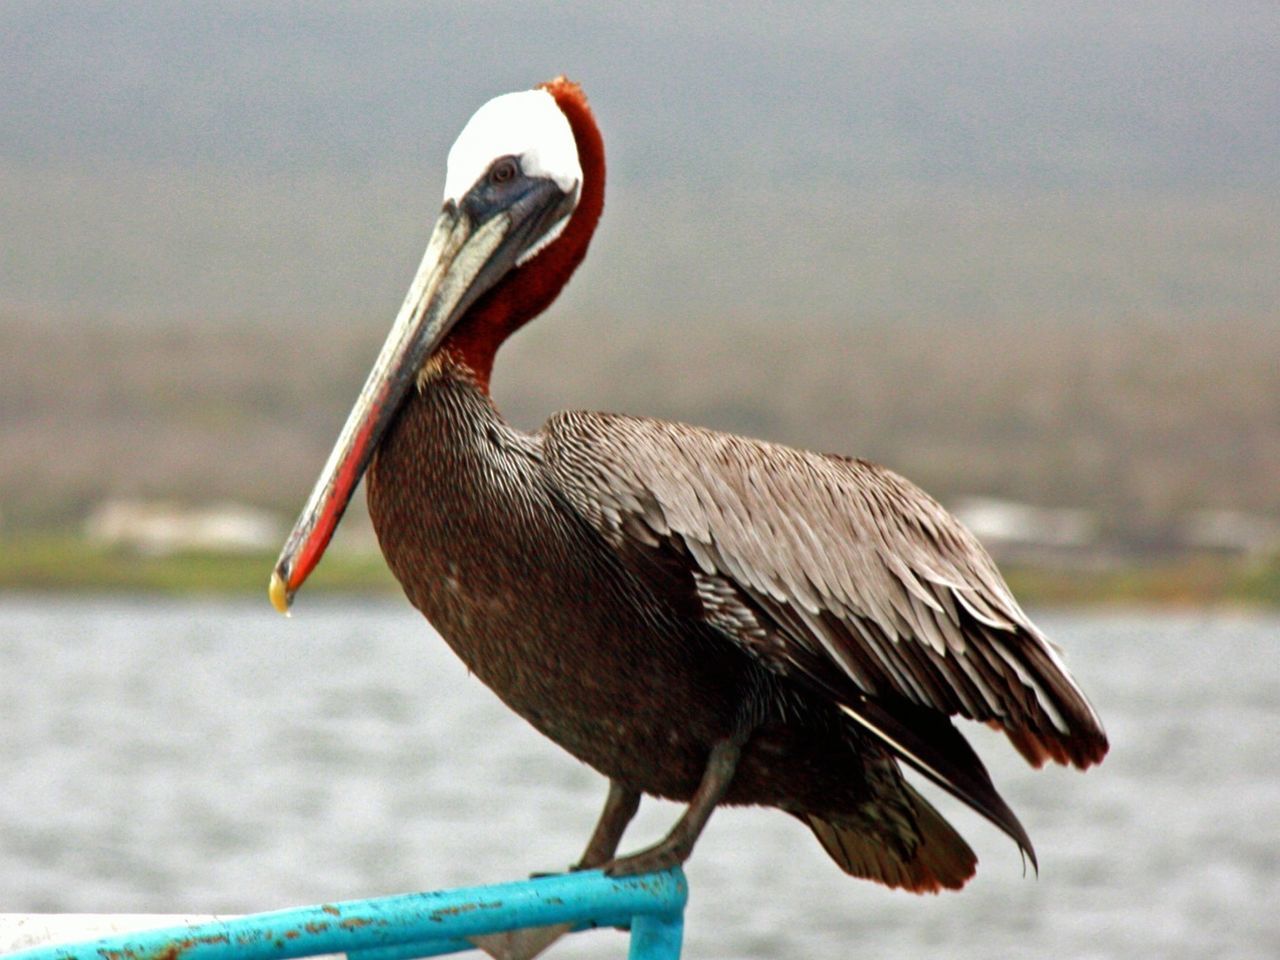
(158, 528)
(1231, 531)
(1008, 528)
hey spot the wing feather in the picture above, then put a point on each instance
(829, 566)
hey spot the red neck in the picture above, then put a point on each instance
(529, 289)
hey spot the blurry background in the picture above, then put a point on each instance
(1027, 257)
(1025, 254)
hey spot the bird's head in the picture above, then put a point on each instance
(524, 188)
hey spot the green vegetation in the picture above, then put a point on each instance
(1198, 581)
(67, 564)
(70, 565)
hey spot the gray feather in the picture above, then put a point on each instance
(841, 558)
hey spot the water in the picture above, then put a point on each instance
(204, 757)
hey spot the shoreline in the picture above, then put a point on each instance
(55, 564)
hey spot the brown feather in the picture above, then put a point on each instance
(845, 556)
(938, 859)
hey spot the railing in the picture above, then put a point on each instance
(496, 917)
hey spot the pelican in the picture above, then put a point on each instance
(698, 616)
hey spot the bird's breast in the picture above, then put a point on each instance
(534, 601)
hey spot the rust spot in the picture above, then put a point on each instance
(462, 908)
(315, 926)
(291, 934)
(331, 909)
(453, 911)
(171, 952)
(355, 923)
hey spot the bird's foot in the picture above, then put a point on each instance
(572, 868)
(661, 856)
(522, 944)
(541, 874)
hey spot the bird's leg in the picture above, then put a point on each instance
(619, 807)
(678, 844)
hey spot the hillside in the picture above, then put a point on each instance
(1140, 422)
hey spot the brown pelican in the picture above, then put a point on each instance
(696, 615)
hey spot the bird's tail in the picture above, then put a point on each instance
(938, 859)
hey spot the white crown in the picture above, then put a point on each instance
(528, 125)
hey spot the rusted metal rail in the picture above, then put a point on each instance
(651, 906)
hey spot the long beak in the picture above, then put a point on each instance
(459, 265)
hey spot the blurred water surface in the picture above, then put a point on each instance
(179, 756)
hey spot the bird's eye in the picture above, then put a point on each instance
(504, 171)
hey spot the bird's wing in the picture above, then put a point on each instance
(835, 570)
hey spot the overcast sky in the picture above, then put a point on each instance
(218, 161)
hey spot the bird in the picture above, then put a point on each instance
(698, 616)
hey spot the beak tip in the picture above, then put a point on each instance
(279, 593)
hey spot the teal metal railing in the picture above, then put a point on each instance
(408, 925)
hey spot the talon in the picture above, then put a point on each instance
(654, 860)
(539, 874)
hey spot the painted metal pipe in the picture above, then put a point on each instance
(415, 924)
